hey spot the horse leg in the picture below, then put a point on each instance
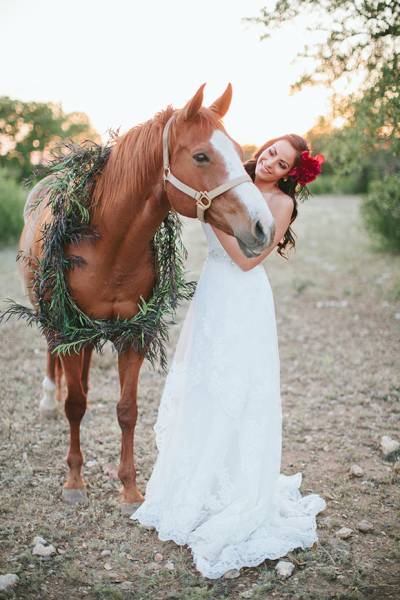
(75, 406)
(129, 363)
(51, 384)
(86, 359)
(87, 355)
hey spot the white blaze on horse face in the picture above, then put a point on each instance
(248, 194)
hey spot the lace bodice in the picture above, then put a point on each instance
(217, 252)
(215, 248)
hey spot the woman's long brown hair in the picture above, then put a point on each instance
(287, 185)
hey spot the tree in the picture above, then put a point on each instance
(28, 130)
(360, 41)
(358, 35)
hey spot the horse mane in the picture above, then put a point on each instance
(136, 158)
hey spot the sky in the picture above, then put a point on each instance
(121, 61)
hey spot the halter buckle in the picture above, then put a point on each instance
(200, 200)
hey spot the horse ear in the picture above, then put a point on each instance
(191, 109)
(221, 105)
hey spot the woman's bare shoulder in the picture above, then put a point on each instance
(280, 200)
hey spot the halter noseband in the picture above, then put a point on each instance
(203, 199)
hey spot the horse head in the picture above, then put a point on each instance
(202, 156)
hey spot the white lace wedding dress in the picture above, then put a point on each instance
(216, 484)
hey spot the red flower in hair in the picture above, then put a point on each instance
(308, 169)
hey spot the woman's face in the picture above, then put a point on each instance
(275, 161)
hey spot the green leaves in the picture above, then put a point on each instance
(356, 35)
(381, 212)
(12, 201)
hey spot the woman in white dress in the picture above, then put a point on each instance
(216, 484)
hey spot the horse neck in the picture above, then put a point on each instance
(128, 192)
(131, 223)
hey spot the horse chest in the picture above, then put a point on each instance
(109, 293)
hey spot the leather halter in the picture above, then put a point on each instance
(203, 199)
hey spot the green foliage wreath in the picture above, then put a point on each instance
(67, 329)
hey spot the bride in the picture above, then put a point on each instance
(216, 484)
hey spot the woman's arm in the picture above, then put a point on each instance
(281, 207)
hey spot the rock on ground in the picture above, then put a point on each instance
(43, 550)
(389, 445)
(365, 526)
(344, 533)
(8, 581)
(39, 540)
(232, 574)
(356, 471)
(284, 569)
(247, 594)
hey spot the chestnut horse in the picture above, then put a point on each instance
(130, 199)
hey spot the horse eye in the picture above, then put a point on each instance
(200, 157)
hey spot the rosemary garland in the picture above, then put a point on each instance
(67, 329)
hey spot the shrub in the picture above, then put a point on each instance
(323, 185)
(380, 211)
(12, 201)
(354, 183)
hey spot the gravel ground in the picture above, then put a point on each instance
(338, 310)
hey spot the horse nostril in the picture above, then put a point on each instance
(259, 233)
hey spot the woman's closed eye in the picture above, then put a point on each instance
(283, 165)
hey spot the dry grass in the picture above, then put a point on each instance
(340, 392)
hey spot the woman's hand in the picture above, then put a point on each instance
(281, 206)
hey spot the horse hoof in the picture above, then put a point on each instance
(129, 508)
(75, 496)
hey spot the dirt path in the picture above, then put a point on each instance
(338, 311)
